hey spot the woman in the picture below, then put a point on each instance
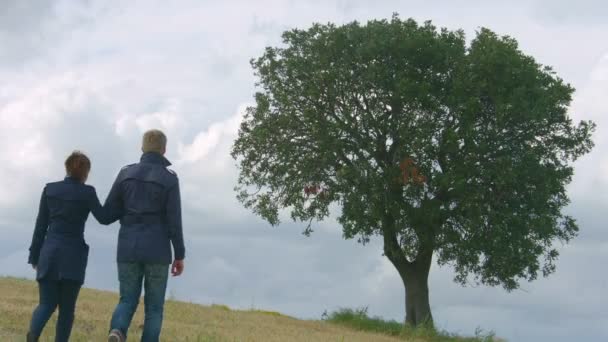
(58, 252)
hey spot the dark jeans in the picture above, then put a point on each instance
(154, 277)
(53, 293)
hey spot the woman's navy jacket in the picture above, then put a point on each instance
(58, 248)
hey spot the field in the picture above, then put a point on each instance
(183, 321)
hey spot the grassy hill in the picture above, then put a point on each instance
(183, 321)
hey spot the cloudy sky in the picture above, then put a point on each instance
(93, 75)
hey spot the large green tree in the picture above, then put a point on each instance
(443, 149)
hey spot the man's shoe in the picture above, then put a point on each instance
(31, 338)
(116, 336)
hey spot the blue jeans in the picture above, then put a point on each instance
(53, 293)
(154, 277)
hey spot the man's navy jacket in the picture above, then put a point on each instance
(147, 193)
(58, 247)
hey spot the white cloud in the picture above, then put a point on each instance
(590, 104)
(26, 122)
(206, 141)
(168, 118)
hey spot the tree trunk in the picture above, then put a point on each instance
(414, 274)
(417, 307)
(415, 277)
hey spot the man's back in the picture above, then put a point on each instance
(148, 195)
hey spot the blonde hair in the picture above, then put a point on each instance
(154, 140)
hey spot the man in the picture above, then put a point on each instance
(148, 195)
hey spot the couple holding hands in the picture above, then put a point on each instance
(146, 199)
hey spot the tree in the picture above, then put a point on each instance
(443, 148)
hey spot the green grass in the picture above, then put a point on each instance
(204, 323)
(360, 320)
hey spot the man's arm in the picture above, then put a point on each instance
(42, 223)
(113, 206)
(174, 218)
(107, 214)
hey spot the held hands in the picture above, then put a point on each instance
(177, 268)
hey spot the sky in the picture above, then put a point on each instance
(94, 75)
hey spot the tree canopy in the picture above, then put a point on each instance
(443, 147)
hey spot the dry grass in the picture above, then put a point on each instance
(183, 321)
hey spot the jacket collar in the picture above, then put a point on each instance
(154, 158)
(71, 179)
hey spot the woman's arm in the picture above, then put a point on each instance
(42, 224)
(107, 214)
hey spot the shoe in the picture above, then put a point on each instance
(116, 336)
(31, 338)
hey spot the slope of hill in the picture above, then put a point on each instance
(183, 321)
(215, 323)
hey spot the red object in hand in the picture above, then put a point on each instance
(177, 268)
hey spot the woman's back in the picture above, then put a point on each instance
(58, 248)
(69, 203)
(58, 251)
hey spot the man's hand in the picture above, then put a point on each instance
(177, 268)
(34, 267)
